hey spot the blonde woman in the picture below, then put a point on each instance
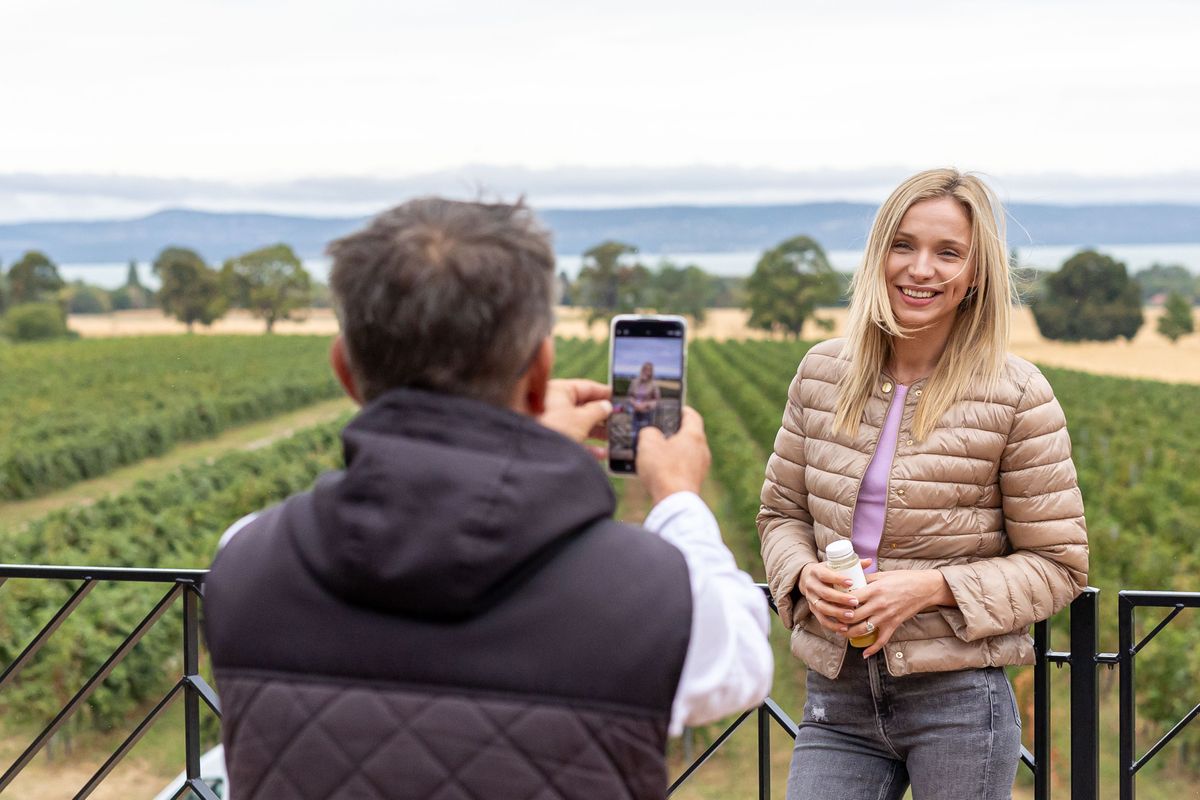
(644, 395)
(946, 462)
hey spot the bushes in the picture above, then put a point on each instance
(33, 322)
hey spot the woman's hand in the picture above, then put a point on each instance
(824, 589)
(894, 597)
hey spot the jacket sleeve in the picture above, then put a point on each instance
(785, 526)
(1043, 520)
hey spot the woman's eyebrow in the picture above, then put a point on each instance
(939, 243)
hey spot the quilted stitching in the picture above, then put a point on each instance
(372, 743)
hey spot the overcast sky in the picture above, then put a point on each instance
(126, 106)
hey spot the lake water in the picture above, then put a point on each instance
(735, 264)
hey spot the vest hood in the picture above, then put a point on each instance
(446, 504)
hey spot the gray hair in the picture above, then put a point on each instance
(447, 296)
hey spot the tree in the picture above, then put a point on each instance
(84, 299)
(1162, 279)
(190, 291)
(682, 290)
(33, 279)
(605, 286)
(271, 282)
(1176, 319)
(789, 282)
(134, 294)
(1091, 298)
(566, 292)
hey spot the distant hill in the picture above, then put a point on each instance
(659, 229)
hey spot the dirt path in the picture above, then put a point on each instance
(246, 437)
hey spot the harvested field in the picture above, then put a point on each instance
(1149, 355)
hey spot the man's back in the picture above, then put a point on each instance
(455, 616)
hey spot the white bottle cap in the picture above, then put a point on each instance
(839, 549)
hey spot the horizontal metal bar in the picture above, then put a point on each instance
(1145, 641)
(47, 630)
(1108, 658)
(129, 742)
(206, 692)
(1163, 741)
(102, 573)
(83, 694)
(1058, 657)
(781, 716)
(1161, 599)
(711, 749)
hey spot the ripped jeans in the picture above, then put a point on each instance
(868, 735)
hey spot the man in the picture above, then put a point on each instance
(456, 614)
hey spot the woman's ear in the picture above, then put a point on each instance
(339, 359)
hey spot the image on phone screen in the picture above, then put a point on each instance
(647, 375)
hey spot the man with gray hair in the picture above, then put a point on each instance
(456, 614)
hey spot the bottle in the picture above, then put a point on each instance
(840, 557)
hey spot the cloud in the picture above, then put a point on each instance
(26, 196)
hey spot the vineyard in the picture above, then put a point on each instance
(75, 410)
(110, 402)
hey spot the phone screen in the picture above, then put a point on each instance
(647, 376)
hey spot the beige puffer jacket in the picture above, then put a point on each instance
(990, 499)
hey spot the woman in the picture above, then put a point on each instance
(947, 463)
(644, 395)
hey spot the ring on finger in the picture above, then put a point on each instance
(870, 627)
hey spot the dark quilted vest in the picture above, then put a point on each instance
(555, 680)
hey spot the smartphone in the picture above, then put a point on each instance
(646, 367)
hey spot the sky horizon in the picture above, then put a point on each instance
(305, 107)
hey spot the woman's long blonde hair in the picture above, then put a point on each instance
(978, 346)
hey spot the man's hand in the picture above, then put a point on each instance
(578, 409)
(677, 464)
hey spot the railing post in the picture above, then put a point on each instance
(191, 666)
(1085, 699)
(1041, 712)
(1127, 709)
(764, 753)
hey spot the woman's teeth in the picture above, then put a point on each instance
(918, 294)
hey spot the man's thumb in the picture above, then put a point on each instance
(595, 412)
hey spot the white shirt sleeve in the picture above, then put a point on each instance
(235, 529)
(729, 664)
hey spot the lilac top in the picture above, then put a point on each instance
(872, 494)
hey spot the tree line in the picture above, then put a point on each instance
(1091, 297)
(270, 282)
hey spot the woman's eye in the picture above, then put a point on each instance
(900, 246)
(949, 254)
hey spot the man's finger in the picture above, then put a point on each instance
(650, 434)
(586, 391)
(690, 421)
(594, 413)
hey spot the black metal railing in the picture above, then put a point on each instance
(1083, 659)
(190, 685)
(1128, 603)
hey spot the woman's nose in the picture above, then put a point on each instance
(921, 266)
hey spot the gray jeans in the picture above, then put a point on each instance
(868, 735)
